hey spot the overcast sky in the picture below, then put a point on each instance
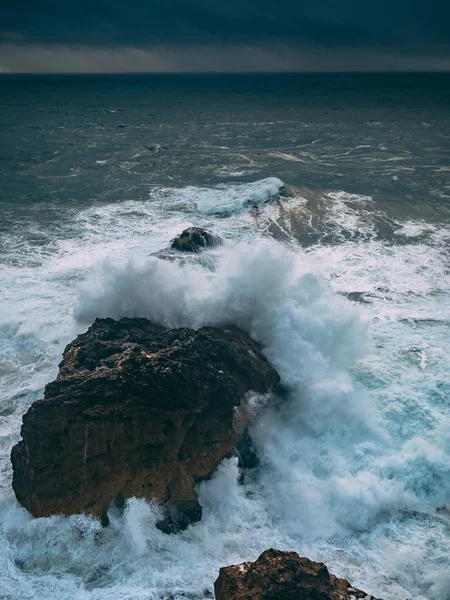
(223, 35)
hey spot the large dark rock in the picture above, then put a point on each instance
(194, 239)
(278, 575)
(137, 410)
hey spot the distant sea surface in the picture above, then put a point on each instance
(345, 282)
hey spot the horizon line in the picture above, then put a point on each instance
(236, 73)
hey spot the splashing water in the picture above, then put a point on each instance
(354, 460)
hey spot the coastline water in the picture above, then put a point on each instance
(345, 283)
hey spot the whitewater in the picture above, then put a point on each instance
(355, 468)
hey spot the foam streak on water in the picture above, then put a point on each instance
(355, 466)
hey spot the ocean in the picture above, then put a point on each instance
(345, 283)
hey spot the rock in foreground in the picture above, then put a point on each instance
(278, 575)
(194, 239)
(137, 410)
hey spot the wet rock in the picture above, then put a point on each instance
(137, 410)
(245, 452)
(289, 191)
(278, 575)
(356, 297)
(194, 239)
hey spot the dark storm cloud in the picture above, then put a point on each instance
(231, 35)
(397, 24)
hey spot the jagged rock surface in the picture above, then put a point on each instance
(278, 575)
(194, 239)
(137, 410)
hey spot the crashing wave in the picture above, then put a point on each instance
(233, 199)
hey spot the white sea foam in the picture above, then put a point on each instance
(354, 467)
(414, 229)
(351, 213)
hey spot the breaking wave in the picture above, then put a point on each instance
(236, 198)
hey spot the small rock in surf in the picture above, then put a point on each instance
(194, 239)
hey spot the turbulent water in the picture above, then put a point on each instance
(345, 283)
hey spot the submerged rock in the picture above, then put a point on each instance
(278, 575)
(137, 410)
(194, 239)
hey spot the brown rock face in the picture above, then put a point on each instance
(136, 410)
(278, 575)
(194, 239)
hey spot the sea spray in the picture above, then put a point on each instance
(264, 288)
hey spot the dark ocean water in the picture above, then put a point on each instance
(346, 131)
(345, 283)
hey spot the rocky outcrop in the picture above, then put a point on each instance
(278, 575)
(137, 410)
(194, 239)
